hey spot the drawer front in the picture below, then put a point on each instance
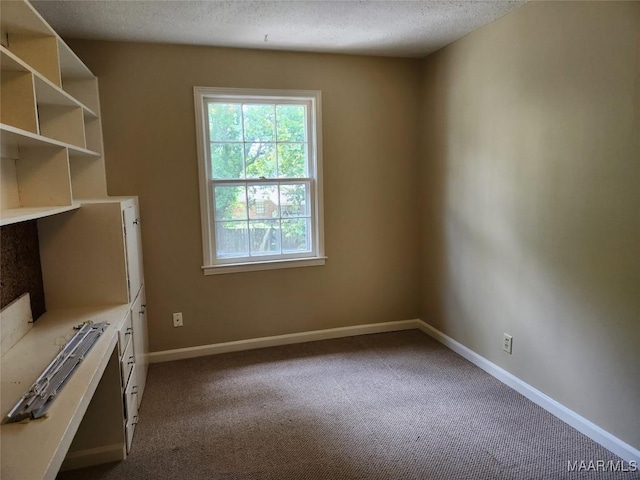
(127, 363)
(140, 341)
(124, 335)
(131, 396)
(131, 424)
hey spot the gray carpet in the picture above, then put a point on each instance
(385, 406)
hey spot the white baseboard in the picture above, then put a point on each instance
(253, 343)
(588, 428)
(94, 456)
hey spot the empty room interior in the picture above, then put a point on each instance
(320, 240)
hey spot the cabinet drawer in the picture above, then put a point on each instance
(131, 396)
(140, 342)
(131, 405)
(131, 424)
(124, 335)
(127, 363)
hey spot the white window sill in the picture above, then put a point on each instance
(269, 265)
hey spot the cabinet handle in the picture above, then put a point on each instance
(131, 361)
(134, 390)
(136, 221)
(135, 420)
(128, 331)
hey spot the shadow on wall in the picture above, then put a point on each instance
(531, 223)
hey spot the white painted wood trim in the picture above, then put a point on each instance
(22, 214)
(12, 136)
(288, 339)
(15, 321)
(94, 456)
(588, 428)
(270, 265)
(313, 100)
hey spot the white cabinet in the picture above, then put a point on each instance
(135, 272)
(93, 256)
(134, 249)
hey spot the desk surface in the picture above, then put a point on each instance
(36, 449)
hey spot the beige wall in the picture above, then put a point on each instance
(370, 128)
(531, 202)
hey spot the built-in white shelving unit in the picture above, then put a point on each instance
(52, 170)
(50, 127)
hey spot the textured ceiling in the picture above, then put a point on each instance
(389, 28)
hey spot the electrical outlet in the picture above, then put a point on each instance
(507, 343)
(177, 319)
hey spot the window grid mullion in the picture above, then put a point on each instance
(275, 136)
(224, 142)
(280, 215)
(242, 181)
(244, 145)
(246, 211)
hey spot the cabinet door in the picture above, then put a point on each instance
(134, 250)
(140, 342)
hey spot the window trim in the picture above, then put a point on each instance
(211, 265)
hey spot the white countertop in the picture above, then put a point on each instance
(36, 449)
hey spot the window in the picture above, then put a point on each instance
(260, 178)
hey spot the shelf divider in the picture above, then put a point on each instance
(43, 177)
(17, 96)
(39, 52)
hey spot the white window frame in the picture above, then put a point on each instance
(312, 98)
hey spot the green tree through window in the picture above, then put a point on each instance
(259, 176)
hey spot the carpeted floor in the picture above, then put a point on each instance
(385, 406)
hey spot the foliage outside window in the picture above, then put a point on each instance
(260, 178)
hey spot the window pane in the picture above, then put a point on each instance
(232, 239)
(293, 200)
(296, 234)
(225, 122)
(291, 123)
(231, 202)
(260, 160)
(259, 123)
(263, 201)
(226, 160)
(292, 160)
(265, 237)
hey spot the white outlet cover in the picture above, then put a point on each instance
(507, 343)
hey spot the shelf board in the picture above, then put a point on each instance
(16, 137)
(47, 93)
(23, 214)
(71, 67)
(11, 63)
